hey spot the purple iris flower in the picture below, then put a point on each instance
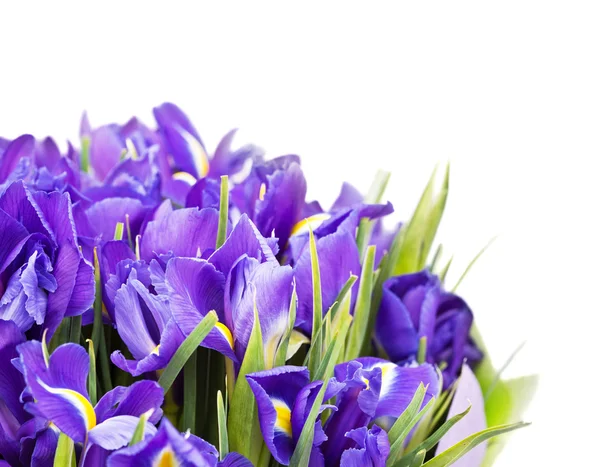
(43, 275)
(284, 396)
(375, 390)
(242, 272)
(273, 196)
(367, 390)
(56, 391)
(187, 162)
(169, 447)
(334, 233)
(415, 306)
(144, 323)
(372, 447)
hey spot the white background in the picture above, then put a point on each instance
(508, 91)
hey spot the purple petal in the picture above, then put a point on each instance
(105, 214)
(335, 271)
(135, 400)
(105, 151)
(195, 288)
(184, 232)
(182, 140)
(116, 432)
(245, 239)
(18, 149)
(59, 390)
(275, 392)
(11, 381)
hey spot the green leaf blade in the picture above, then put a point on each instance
(186, 349)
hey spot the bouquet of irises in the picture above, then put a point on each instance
(162, 306)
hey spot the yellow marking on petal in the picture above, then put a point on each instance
(385, 368)
(284, 417)
(366, 381)
(76, 399)
(166, 458)
(226, 333)
(156, 350)
(313, 222)
(198, 153)
(185, 177)
(262, 191)
(131, 148)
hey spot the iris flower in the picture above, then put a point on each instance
(415, 306)
(56, 391)
(169, 447)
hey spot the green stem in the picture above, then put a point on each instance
(75, 329)
(189, 393)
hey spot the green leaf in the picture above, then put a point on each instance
(419, 458)
(323, 335)
(75, 332)
(85, 154)
(375, 194)
(460, 449)
(303, 449)
(186, 349)
(189, 392)
(65, 452)
(282, 349)
(223, 211)
(317, 337)
(402, 422)
(138, 434)
(402, 429)
(358, 330)
(97, 326)
(473, 261)
(244, 430)
(505, 405)
(118, 231)
(413, 245)
(444, 272)
(434, 438)
(343, 293)
(92, 383)
(422, 351)
(45, 348)
(436, 257)
(222, 419)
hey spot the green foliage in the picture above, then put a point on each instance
(186, 349)
(223, 211)
(358, 330)
(222, 421)
(138, 434)
(244, 430)
(65, 452)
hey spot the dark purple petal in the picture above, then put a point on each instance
(282, 204)
(373, 448)
(349, 196)
(275, 392)
(11, 381)
(233, 459)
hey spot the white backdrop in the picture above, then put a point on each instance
(508, 91)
